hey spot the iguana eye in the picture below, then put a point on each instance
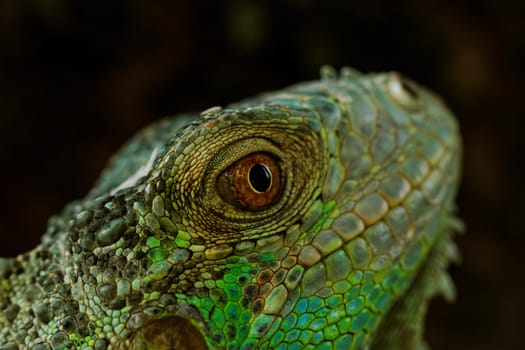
(253, 182)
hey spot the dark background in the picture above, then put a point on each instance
(77, 78)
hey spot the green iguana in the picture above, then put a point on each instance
(319, 216)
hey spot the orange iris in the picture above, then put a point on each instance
(253, 182)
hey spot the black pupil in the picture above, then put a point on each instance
(260, 177)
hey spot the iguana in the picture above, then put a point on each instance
(319, 216)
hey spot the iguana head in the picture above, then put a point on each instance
(304, 217)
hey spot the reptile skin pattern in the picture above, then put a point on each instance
(319, 216)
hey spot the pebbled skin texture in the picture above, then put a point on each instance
(348, 256)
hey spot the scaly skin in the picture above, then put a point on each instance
(347, 255)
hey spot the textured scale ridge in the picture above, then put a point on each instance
(341, 243)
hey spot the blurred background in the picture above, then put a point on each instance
(77, 78)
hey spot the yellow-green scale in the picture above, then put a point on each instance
(345, 318)
(226, 310)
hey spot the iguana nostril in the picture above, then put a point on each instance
(168, 333)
